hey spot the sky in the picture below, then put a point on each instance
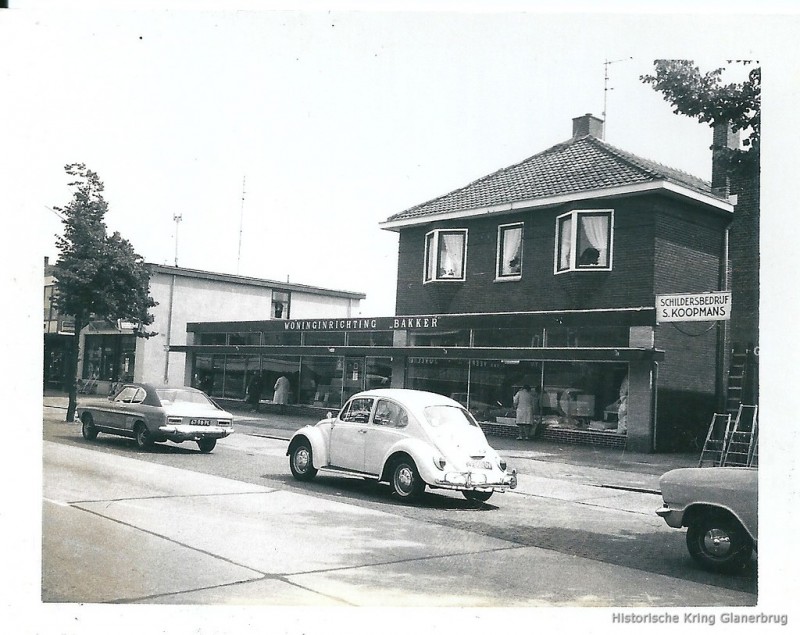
(339, 116)
(282, 139)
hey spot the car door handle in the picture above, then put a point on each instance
(362, 431)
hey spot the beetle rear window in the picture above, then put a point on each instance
(448, 416)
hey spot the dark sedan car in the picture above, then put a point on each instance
(153, 414)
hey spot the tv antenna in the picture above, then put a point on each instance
(606, 64)
(241, 223)
(177, 218)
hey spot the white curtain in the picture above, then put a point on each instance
(596, 230)
(430, 274)
(512, 239)
(566, 241)
(451, 255)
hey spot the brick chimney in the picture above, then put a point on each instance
(588, 124)
(723, 138)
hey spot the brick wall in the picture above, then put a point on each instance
(745, 260)
(628, 284)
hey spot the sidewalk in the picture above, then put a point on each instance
(610, 467)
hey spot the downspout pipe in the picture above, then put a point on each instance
(169, 329)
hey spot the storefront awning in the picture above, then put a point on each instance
(566, 354)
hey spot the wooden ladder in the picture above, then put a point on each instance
(714, 445)
(741, 444)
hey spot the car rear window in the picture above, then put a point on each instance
(174, 395)
(448, 417)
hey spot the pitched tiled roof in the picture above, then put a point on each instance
(579, 165)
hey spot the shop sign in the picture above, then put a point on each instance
(693, 307)
(355, 324)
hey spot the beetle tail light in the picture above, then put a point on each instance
(439, 462)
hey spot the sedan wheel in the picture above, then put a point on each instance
(718, 542)
(301, 462)
(406, 481)
(143, 438)
(206, 445)
(87, 428)
(475, 495)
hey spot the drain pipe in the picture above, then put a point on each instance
(654, 373)
(169, 329)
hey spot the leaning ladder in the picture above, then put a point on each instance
(741, 448)
(714, 446)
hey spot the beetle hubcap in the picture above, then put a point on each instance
(717, 542)
(301, 459)
(404, 478)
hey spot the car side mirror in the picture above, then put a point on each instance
(110, 397)
(329, 415)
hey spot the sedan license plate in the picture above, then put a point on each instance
(480, 465)
(201, 422)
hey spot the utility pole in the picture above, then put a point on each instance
(606, 64)
(177, 218)
(241, 224)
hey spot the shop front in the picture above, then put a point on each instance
(581, 365)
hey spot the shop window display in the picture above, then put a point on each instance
(584, 395)
(444, 376)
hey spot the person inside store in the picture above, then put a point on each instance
(525, 404)
(281, 396)
(254, 389)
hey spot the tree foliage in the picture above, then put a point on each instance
(97, 276)
(706, 97)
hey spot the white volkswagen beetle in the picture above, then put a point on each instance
(408, 438)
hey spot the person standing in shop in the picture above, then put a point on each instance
(524, 403)
(254, 389)
(281, 396)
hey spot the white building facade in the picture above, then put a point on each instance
(113, 353)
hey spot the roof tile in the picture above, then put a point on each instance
(578, 165)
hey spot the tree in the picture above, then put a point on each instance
(97, 275)
(706, 97)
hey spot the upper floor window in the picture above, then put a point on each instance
(509, 251)
(445, 254)
(280, 305)
(583, 240)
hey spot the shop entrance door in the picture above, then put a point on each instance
(353, 380)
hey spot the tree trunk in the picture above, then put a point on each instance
(72, 377)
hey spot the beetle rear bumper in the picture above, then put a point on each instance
(476, 481)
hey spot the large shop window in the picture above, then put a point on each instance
(445, 255)
(509, 251)
(583, 241)
(109, 357)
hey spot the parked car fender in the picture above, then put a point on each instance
(318, 441)
(419, 451)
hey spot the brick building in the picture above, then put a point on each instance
(542, 273)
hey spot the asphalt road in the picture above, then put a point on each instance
(244, 531)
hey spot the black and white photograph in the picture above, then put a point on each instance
(396, 317)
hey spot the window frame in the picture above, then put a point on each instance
(574, 217)
(432, 242)
(283, 300)
(499, 276)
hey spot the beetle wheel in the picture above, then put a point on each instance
(143, 438)
(718, 542)
(406, 482)
(87, 427)
(301, 462)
